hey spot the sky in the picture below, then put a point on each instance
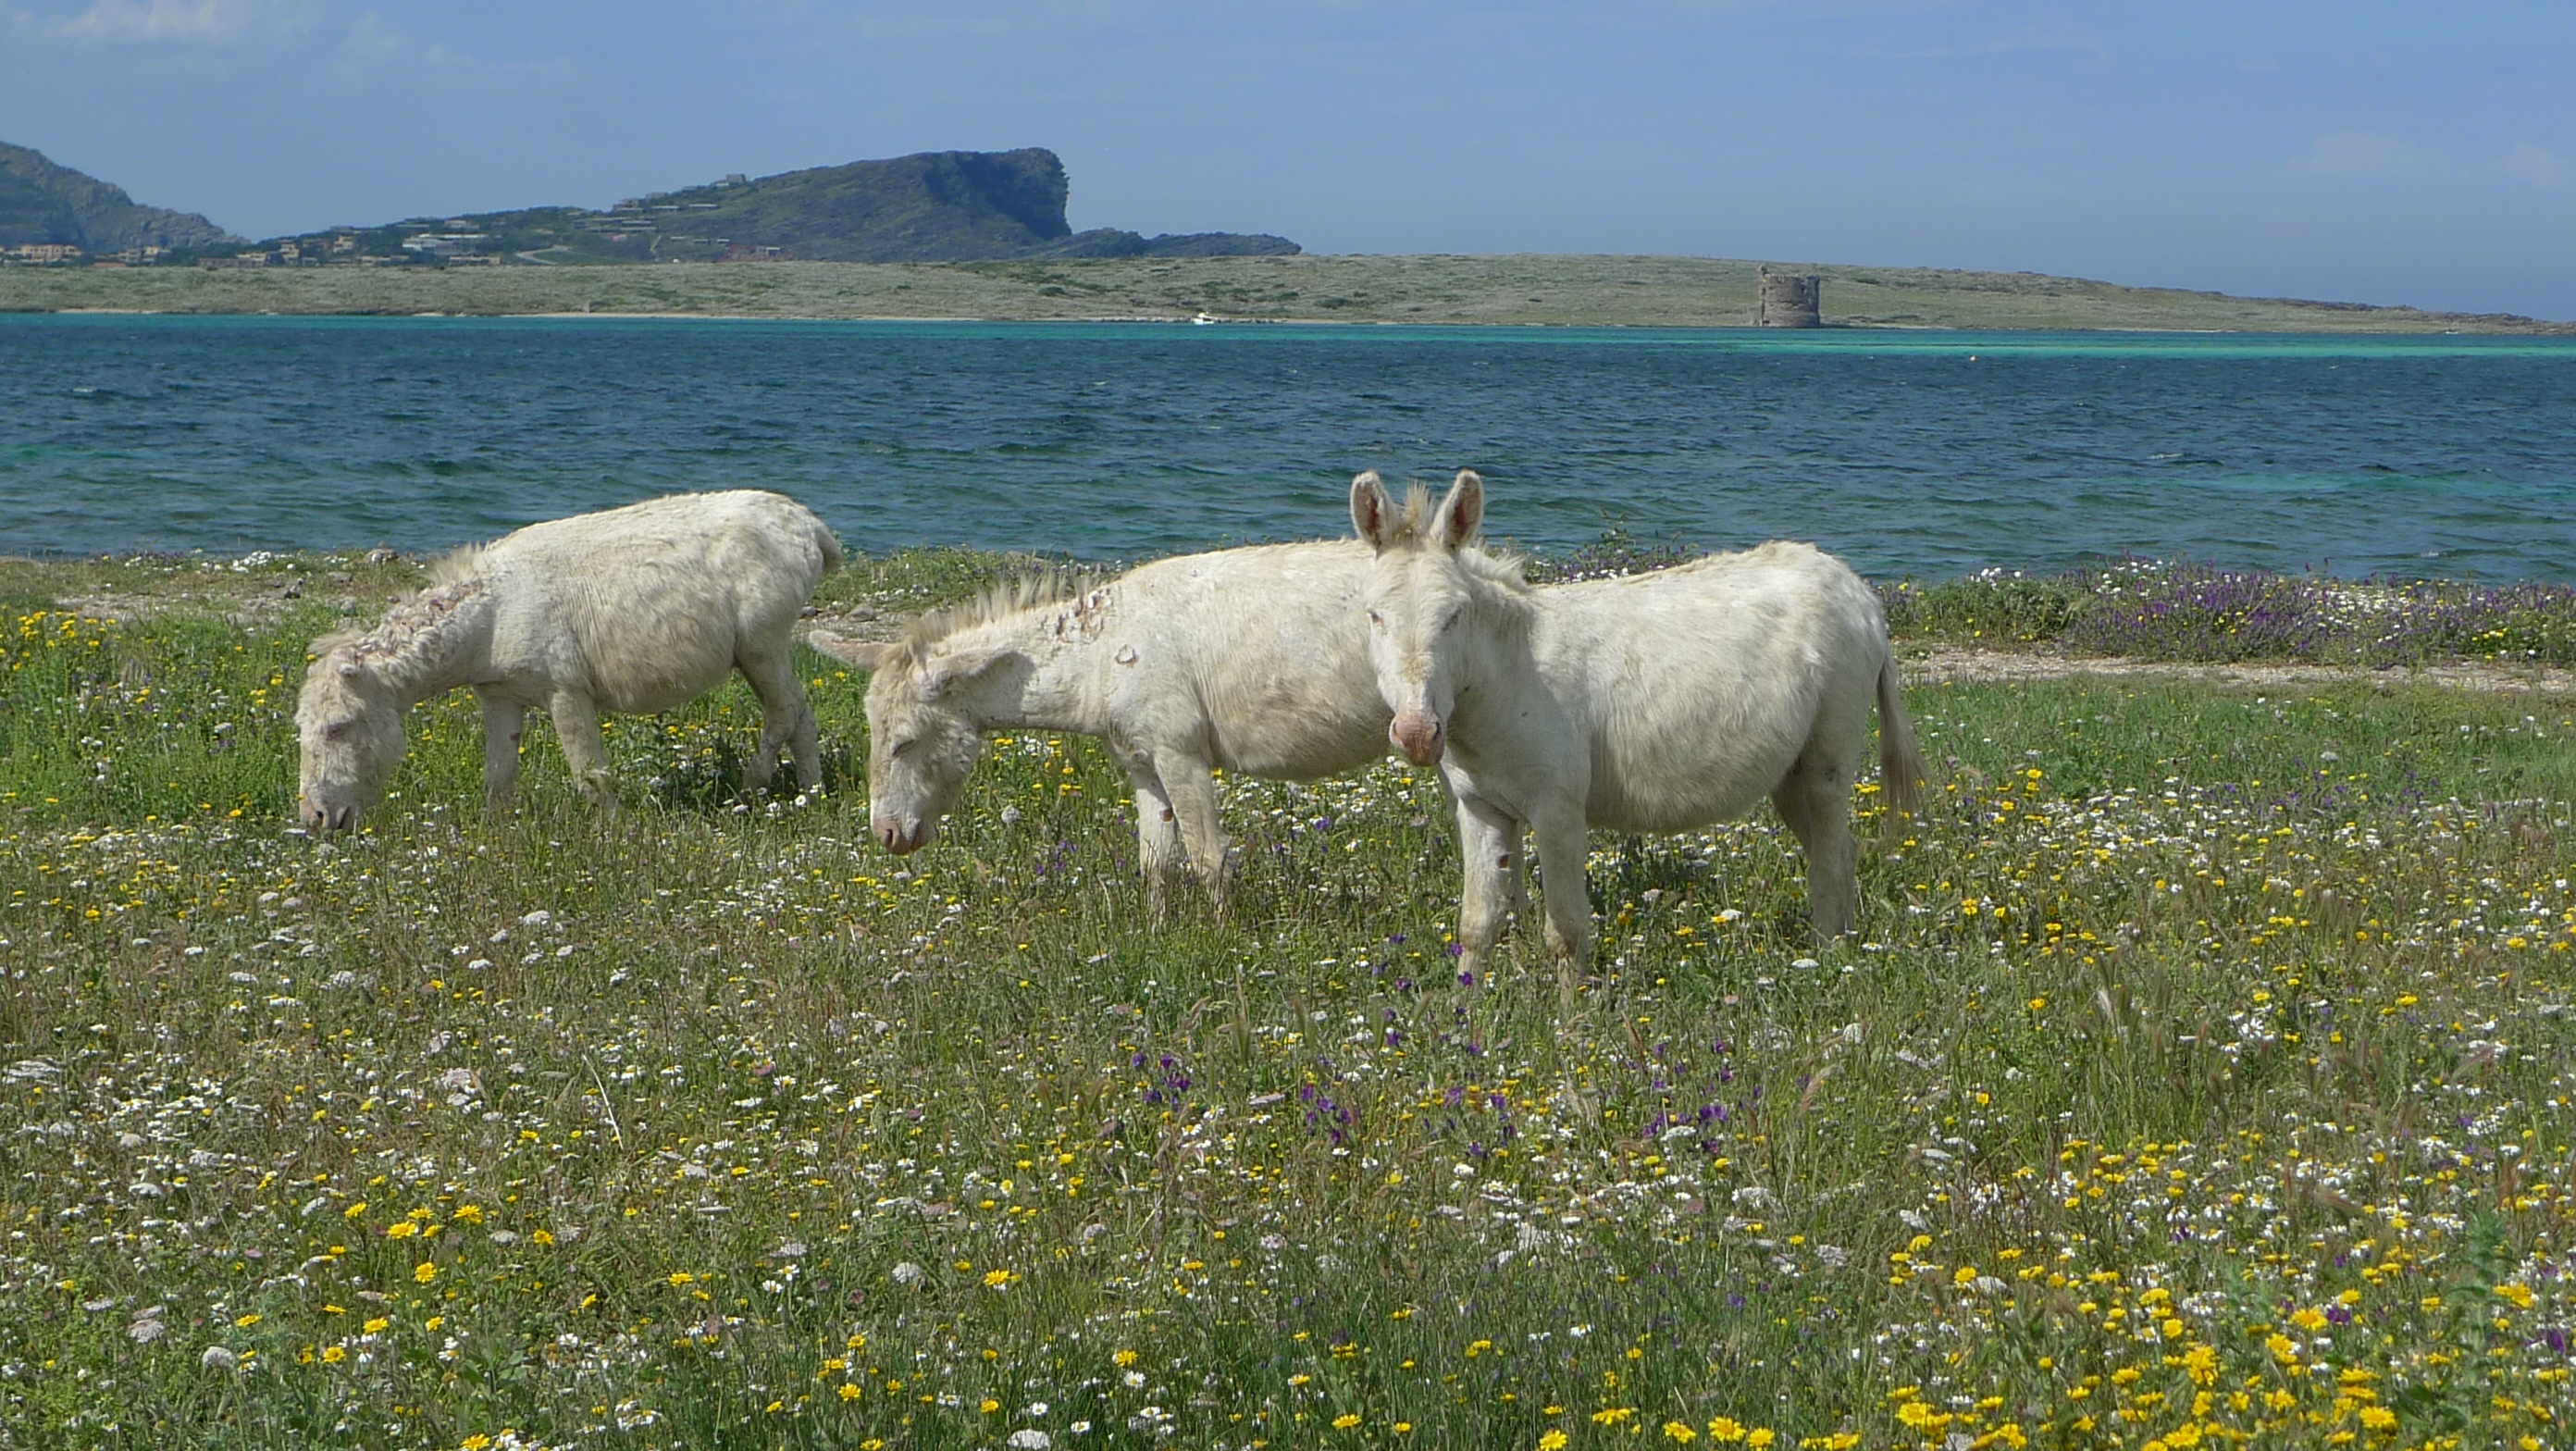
(2365, 152)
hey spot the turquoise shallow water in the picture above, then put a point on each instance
(1915, 453)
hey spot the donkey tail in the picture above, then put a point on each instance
(830, 546)
(1900, 761)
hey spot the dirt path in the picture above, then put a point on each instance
(251, 603)
(1942, 664)
(1939, 664)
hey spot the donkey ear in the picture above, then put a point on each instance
(1372, 510)
(864, 654)
(1462, 513)
(964, 667)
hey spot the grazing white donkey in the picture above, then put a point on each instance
(628, 610)
(1247, 659)
(1650, 703)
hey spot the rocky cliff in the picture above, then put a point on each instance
(938, 206)
(42, 202)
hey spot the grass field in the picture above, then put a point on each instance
(2200, 1073)
(1552, 290)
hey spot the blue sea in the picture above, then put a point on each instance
(1927, 454)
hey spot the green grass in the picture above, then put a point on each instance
(2201, 1070)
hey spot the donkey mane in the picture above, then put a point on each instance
(458, 565)
(1412, 529)
(411, 618)
(403, 645)
(1501, 568)
(999, 601)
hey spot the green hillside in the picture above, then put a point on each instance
(42, 202)
(938, 206)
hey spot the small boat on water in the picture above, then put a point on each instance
(1205, 319)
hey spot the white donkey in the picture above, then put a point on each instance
(1247, 659)
(1650, 703)
(628, 610)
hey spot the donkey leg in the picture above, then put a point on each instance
(1516, 877)
(1815, 800)
(784, 718)
(803, 735)
(504, 722)
(1191, 789)
(808, 746)
(1158, 840)
(1489, 844)
(576, 719)
(1561, 841)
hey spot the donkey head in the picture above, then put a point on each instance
(349, 723)
(1416, 593)
(922, 742)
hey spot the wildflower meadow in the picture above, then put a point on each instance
(2200, 1074)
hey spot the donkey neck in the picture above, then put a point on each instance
(434, 642)
(1051, 680)
(1504, 616)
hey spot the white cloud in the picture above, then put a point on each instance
(2530, 163)
(2371, 155)
(186, 22)
(371, 48)
(370, 40)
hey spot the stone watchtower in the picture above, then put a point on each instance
(1787, 299)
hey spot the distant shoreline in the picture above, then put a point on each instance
(1534, 290)
(1238, 324)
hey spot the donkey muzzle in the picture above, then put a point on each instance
(900, 837)
(1418, 736)
(326, 818)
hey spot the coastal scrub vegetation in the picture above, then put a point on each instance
(2181, 611)
(2153, 610)
(2200, 1073)
(1556, 291)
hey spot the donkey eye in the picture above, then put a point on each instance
(1377, 619)
(898, 748)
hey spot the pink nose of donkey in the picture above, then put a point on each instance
(895, 837)
(323, 818)
(1418, 736)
